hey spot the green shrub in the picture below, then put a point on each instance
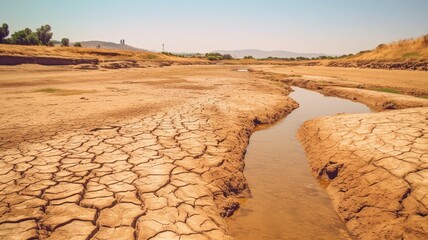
(227, 57)
(77, 44)
(213, 58)
(65, 42)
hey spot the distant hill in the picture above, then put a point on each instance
(110, 45)
(264, 54)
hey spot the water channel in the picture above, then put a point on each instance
(288, 202)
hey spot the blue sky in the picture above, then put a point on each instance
(327, 26)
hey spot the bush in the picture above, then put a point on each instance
(301, 58)
(213, 58)
(77, 44)
(381, 46)
(65, 42)
(248, 57)
(365, 51)
(217, 56)
(227, 57)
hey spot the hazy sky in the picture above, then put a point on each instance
(327, 26)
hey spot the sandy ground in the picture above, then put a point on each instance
(152, 153)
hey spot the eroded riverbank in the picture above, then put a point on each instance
(377, 169)
(288, 202)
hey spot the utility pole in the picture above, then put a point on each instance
(163, 47)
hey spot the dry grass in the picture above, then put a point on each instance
(414, 49)
(76, 52)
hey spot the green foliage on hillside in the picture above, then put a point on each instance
(42, 36)
(25, 37)
(218, 56)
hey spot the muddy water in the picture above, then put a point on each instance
(288, 202)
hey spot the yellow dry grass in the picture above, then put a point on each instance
(78, 52)
(408, 49)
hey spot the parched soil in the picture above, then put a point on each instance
(127, 154)
(375, 167)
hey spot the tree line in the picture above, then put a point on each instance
(42, 36)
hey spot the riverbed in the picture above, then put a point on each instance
(288, 202)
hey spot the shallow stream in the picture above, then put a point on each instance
(288, 202)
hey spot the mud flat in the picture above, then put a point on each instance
(287, 201)
(376, 169)
(127, 154)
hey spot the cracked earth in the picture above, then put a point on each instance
(375, 167)
(172, 171)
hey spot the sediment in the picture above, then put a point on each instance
(375, 168)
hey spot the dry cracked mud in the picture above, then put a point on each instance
(375, 167)
(171, 172)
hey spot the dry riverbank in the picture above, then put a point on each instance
(138, 153)
(373, 165)
(376, 168)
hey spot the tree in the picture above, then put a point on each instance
(77, 44)
(4, 32)
(44, 34)
(33, 39)
(65, 42)
(227, 57)
(25, 37)
(248, 57)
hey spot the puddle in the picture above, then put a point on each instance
(288, 202)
